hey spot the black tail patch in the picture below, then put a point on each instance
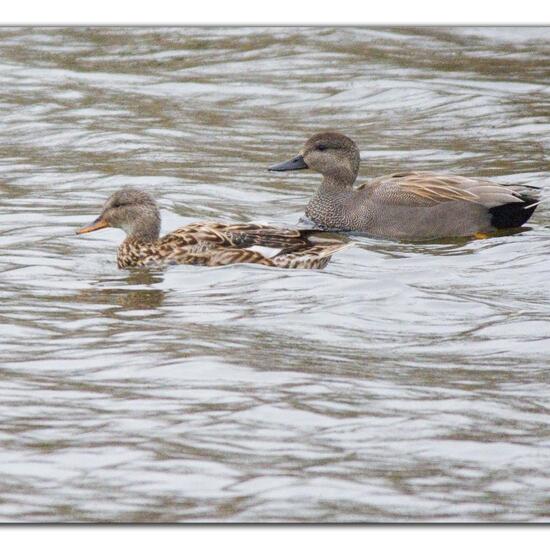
(513, 214)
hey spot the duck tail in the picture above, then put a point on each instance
(310, 257)
(515, 214)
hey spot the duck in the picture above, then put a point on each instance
(206, 243)
(404, 205)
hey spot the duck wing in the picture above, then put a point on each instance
(238, 235)
(212, 233)
(270, 237)
(217, 244)
(430, 189)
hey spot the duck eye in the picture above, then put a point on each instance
(321, 147)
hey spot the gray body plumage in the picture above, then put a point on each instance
(414, 205)
(405, 205)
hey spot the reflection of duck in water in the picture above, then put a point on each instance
(206, 243)
(135, 289)
(405, 205)
(141, 293)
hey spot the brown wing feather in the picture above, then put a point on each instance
(429, 189)
(237, 235)
(195, 233)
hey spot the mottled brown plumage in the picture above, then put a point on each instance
(206, 243)
(409, 205)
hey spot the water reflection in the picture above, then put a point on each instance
(130, 291)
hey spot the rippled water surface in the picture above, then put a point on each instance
(405, 382)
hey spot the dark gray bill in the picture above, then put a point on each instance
(297, 163)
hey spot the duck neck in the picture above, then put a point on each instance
(333, 204)
(343, 175)
(143, 226)
(146, 235)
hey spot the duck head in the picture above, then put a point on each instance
(332, 154)
(131, 210)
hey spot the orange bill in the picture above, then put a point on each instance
(94, 226)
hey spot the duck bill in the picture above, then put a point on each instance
(94, 226)
(297, 163)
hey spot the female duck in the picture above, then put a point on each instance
(210, 244)
(406, 205)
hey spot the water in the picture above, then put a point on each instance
(405, 382)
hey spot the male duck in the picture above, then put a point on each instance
(205, 243)
(406, 205)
